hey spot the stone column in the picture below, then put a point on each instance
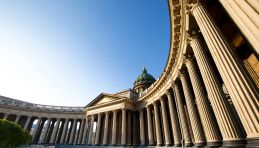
(6, 116)
(27, 123)
(157, 124)
(85, 131)
(134, 130)
(17, 119)
(79, 140)
(63, 136)
(183, 119)
(39, 131)
(114, 127)
(142, 127)
(129, 128)
(150, 126)
(90, 137)
(243, 92)
(36, 129)
(72, 136)
(54, 133)
(199, 138)
(174, 120)
(246, 18)
(98, 129)
(45, 131)
(168, 141)
(124, 127)
(106, 126)
(226, 120)
(209, 123)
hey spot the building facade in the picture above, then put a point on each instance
(207, 94)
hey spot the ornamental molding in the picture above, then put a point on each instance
(118, 101)
(178, 46)
(22, 105)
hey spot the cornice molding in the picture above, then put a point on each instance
(177, 17)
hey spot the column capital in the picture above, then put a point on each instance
(93, 116)
(182, 73)
(188, 57)
(124, 109)
(168, 92)
(193, 36)
(155, 103)
(107, 113)
(162, 98)
(198, 3)
(175, 83)
(148, 107)
(115, 111)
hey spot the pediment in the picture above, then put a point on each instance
(102, 99)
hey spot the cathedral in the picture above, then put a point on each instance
(206, 96)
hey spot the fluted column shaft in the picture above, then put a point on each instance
(246, 18)
(174, 120)
(91, 130)
(85, 131)
(27, 123)
(208, 120)
(123, 127)
(54, 133)
(243, 92)
(114, 127)
(72, 137)
(45, 131)
(199, 137)
(183, 119)
(17, 119)
(63, 136)
(82, 126)
(150, 126)
(6, 116)
(106, 126)
(226, 121)
(36, 129)
(142, 127)
(157, 124)
(168, 141)
(129, 128)
(98, 129)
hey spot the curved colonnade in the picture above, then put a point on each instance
(46, 124)
(204, 97)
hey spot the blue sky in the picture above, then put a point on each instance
(66, 52)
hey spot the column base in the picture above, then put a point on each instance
(177, 144)
(151, 144)
(169, 144)
(214, 144)
(227, 144)
(252, 142)
(159, 144)
(200, 144)
(188, 144)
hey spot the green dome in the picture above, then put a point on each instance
(144, 78)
